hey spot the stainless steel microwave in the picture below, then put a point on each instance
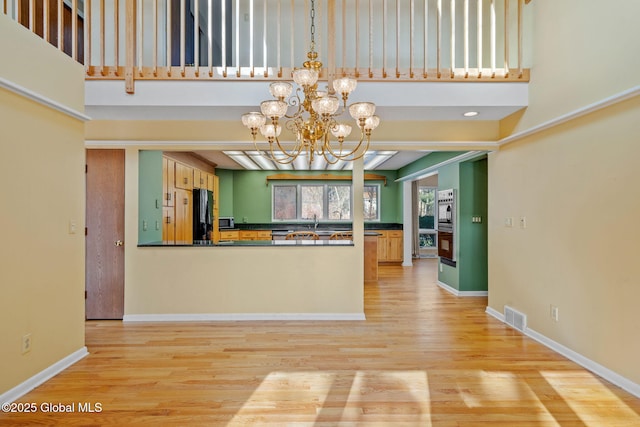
(226, 222)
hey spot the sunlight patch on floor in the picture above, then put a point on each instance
(579, 389)
(347, 396)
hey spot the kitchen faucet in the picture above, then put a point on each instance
(315, 221)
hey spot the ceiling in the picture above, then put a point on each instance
(204, 117)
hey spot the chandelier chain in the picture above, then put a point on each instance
(313, 25)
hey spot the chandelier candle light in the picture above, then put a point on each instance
(315, 116)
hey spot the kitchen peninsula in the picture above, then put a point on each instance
(252, 279)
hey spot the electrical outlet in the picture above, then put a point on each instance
(555, 315)
(26, 343)
(441, 268)
(157, 225)
(144, 225)
(508, 222)
(73, 226)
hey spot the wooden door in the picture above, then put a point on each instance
(104, 259)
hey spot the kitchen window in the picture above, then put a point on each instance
(322, 202)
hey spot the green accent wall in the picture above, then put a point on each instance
(250, 197)
(150, 196)
(427, 161)
(473, 253)
(469, 179)
(449, 177)
(225, 196)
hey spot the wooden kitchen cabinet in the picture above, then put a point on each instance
(390, 245)
(229, 235)
(184, 176)
(168, 224)
(184, 216)
(255, 234)
(168, 181)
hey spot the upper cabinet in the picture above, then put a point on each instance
(184, 176)
(179, 179)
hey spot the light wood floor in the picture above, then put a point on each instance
(423, 357)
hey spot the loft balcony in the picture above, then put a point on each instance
(206, 62)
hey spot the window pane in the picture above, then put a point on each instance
(339, 197)
(426, 207)
(312, 201)
(284, 202)
(370, 202)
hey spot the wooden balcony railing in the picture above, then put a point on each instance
(390, 40)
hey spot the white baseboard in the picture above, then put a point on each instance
(227, 317)
(458, 293)
(43, 376)
(581, 360)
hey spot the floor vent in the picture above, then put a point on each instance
(515, 318)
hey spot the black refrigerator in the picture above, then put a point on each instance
(202, 214)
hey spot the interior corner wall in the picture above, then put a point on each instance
(150, 201)
(577, 187)
(42, 167)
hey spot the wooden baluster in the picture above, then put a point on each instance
(251, 66)
(140, 33)
(45, 20)
(130, 24)
(479, 36)
(493, 39)
(223, 37)
(102, 37)
(183, 37)
(384, 38)
(438, 38)
(155, 39)
(370, 40)
(520, 71)
(466, 38)
(32, 16)
(411, 40)
(210, 37)
(87, 35)
(237, 38)
(426, 39)
(264, 39)
(74, 29)
(279, 42)
(397, 39)
(168, 40)
(196, 38)
(506, 39)
(453, 38)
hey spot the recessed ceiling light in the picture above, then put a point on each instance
(471, 114)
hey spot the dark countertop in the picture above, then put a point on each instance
(247, 243)
(301, 226)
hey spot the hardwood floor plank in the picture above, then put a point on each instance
(422, 358)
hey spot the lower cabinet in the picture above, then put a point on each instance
(255, 234)
(390, 245)
(229, 235)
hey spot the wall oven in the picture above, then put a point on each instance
(446, 224)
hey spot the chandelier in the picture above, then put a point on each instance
(314, 118)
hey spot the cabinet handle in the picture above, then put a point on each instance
(168, 220)
(185, 180)
(168, 196)
(186, 201)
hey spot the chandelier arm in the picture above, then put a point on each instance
(295, 101)
(351, 155)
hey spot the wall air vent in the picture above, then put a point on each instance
(515, 318)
